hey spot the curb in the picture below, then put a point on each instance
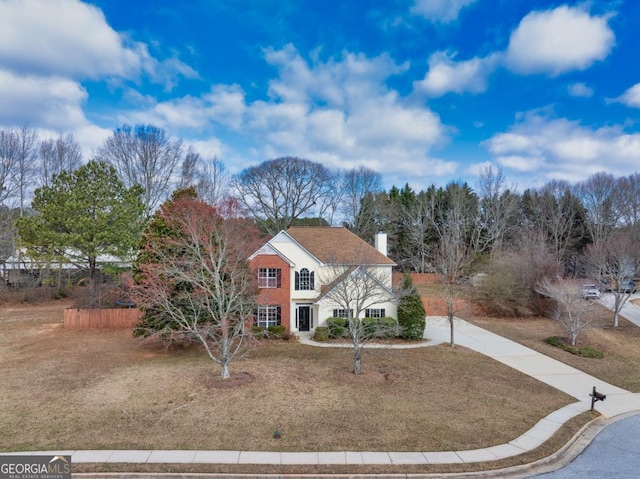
(565, 455)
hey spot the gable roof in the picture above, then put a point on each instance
(268, 249)
(326, 289)
(337, 245)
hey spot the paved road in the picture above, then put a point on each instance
(613, 454)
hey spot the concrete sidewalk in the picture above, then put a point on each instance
(552, 372)
(545, 369)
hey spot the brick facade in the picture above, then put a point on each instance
(275, 296)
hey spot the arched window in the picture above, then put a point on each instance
(304, 280)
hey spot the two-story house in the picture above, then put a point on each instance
(298, 269)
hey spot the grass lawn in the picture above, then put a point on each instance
(104, 389)
(621, 346)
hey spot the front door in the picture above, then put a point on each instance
(304, 318)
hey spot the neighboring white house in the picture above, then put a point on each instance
(298, 269)
(20, 269)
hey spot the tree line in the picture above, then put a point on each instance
(62, 209)
(483, 225)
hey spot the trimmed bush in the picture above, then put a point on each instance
(370, 326)
(276, 331)
(321, 334)
(258, 332)
(387, 327)
(338, 327)
(411, 313)
(584, 351)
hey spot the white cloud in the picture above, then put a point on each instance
(223, 104)
(559, 40)
(631, 97)
(55, 102)
(445, 75)
(66, 38)
(338, 111)
(442, 11)
(580, 90)
(336, 83)
(557, 148)
(522, 164)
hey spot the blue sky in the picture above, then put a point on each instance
(422, 91)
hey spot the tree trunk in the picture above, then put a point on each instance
(224, 370)
(574, 338)
(225, 358)
(451, 342)
(356, 359)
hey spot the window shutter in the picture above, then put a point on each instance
(311, 285)
(297, 281)
(279, 314)
(335, 313)
(382, 313)
(279, 278)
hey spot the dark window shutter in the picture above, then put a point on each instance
(279, 278)
(311, 285)
(335, 313)
(382, 313)
(297, 281)
(279, 314)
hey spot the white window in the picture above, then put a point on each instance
(266, 316)
(374, 313)
(342, 313)
(304, 280)
(269, 278)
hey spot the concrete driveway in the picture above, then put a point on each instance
(629, 310)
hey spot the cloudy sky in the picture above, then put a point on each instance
(423, 91)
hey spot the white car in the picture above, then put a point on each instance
(589, 291)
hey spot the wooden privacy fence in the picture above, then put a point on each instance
(113, 318)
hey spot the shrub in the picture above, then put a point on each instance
(388, 327)
(321, 334)
(411, 313)
(584, 351)
(370, 326)
(338, 327)
(276, 331)
(258, 332)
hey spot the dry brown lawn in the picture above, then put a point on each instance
(106, 390)
(621, 346)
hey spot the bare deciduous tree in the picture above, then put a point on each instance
(276, 192)
(570, 309)
(615, 262)
(58, 155)
(452, 260)
(198, 278)
(213, 181)
(357, 183)
(498, 210)
(354, 289)
(598, 195)
(143, 155)
(628, 192)
(8, 164)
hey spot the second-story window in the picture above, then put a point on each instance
(269, 278)
(304, 280)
